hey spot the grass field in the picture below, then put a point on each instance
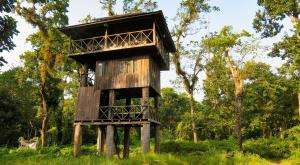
(173, 153)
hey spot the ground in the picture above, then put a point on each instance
(173, 153)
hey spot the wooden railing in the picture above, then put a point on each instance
(123, 113)
(111, 42)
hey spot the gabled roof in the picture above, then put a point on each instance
(77, 31)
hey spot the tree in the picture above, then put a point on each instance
(189, 13)
(171, 110)
(218, 98)
(46, 16)
(108, 5)
(17, 108)
(269, 22)
(8, 28)
(129, 6)
(222, 43)
(132, 6)
(269, 101)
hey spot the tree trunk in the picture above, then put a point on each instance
(238, 112)
(238, 91)
(45, 114)
(192, 109)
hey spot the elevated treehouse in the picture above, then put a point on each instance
(124, 54)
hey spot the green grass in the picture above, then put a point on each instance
(173, 153)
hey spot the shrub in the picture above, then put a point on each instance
(183, 147)
(273, 148)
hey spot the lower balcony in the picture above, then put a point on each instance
(133, 114)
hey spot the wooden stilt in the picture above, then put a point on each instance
(145, 138)
(109, 141)
(110, 129)
(145, 129)
(100, 139)
(157, 139)
(77, 139)
(126, 142)
(126, 134)
(157, 126)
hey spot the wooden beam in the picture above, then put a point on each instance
(119, 122)
(77, 139)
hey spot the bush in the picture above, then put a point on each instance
(276, 148)
(188, 147)
(182, 147)
(273, 148)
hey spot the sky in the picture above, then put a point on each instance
(237, 13)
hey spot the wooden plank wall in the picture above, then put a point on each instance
(87, 104)
(154, 75)
(114, 79)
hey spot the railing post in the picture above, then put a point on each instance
(154, 33)
(105, 40)
(145, 102)
(69, 48)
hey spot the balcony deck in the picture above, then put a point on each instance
(134, 39)
(119, 115)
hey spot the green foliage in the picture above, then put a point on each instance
(137, 6)
(274, 147)
(8, 28)
(17, 108)
(129, 6)
(187, 147)
(268, 21)
(205, 153)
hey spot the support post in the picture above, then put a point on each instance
(109, 141)
(157, 126)
(126, 142)
(100, 140)
(77, 139)
(154, 33)
(157, 139)
(145, 138)
(110, 129)
(126, 134)
(145, 130)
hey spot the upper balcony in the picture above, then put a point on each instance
(133, 39)
(121, 35)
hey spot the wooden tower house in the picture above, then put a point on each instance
(125, 54)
